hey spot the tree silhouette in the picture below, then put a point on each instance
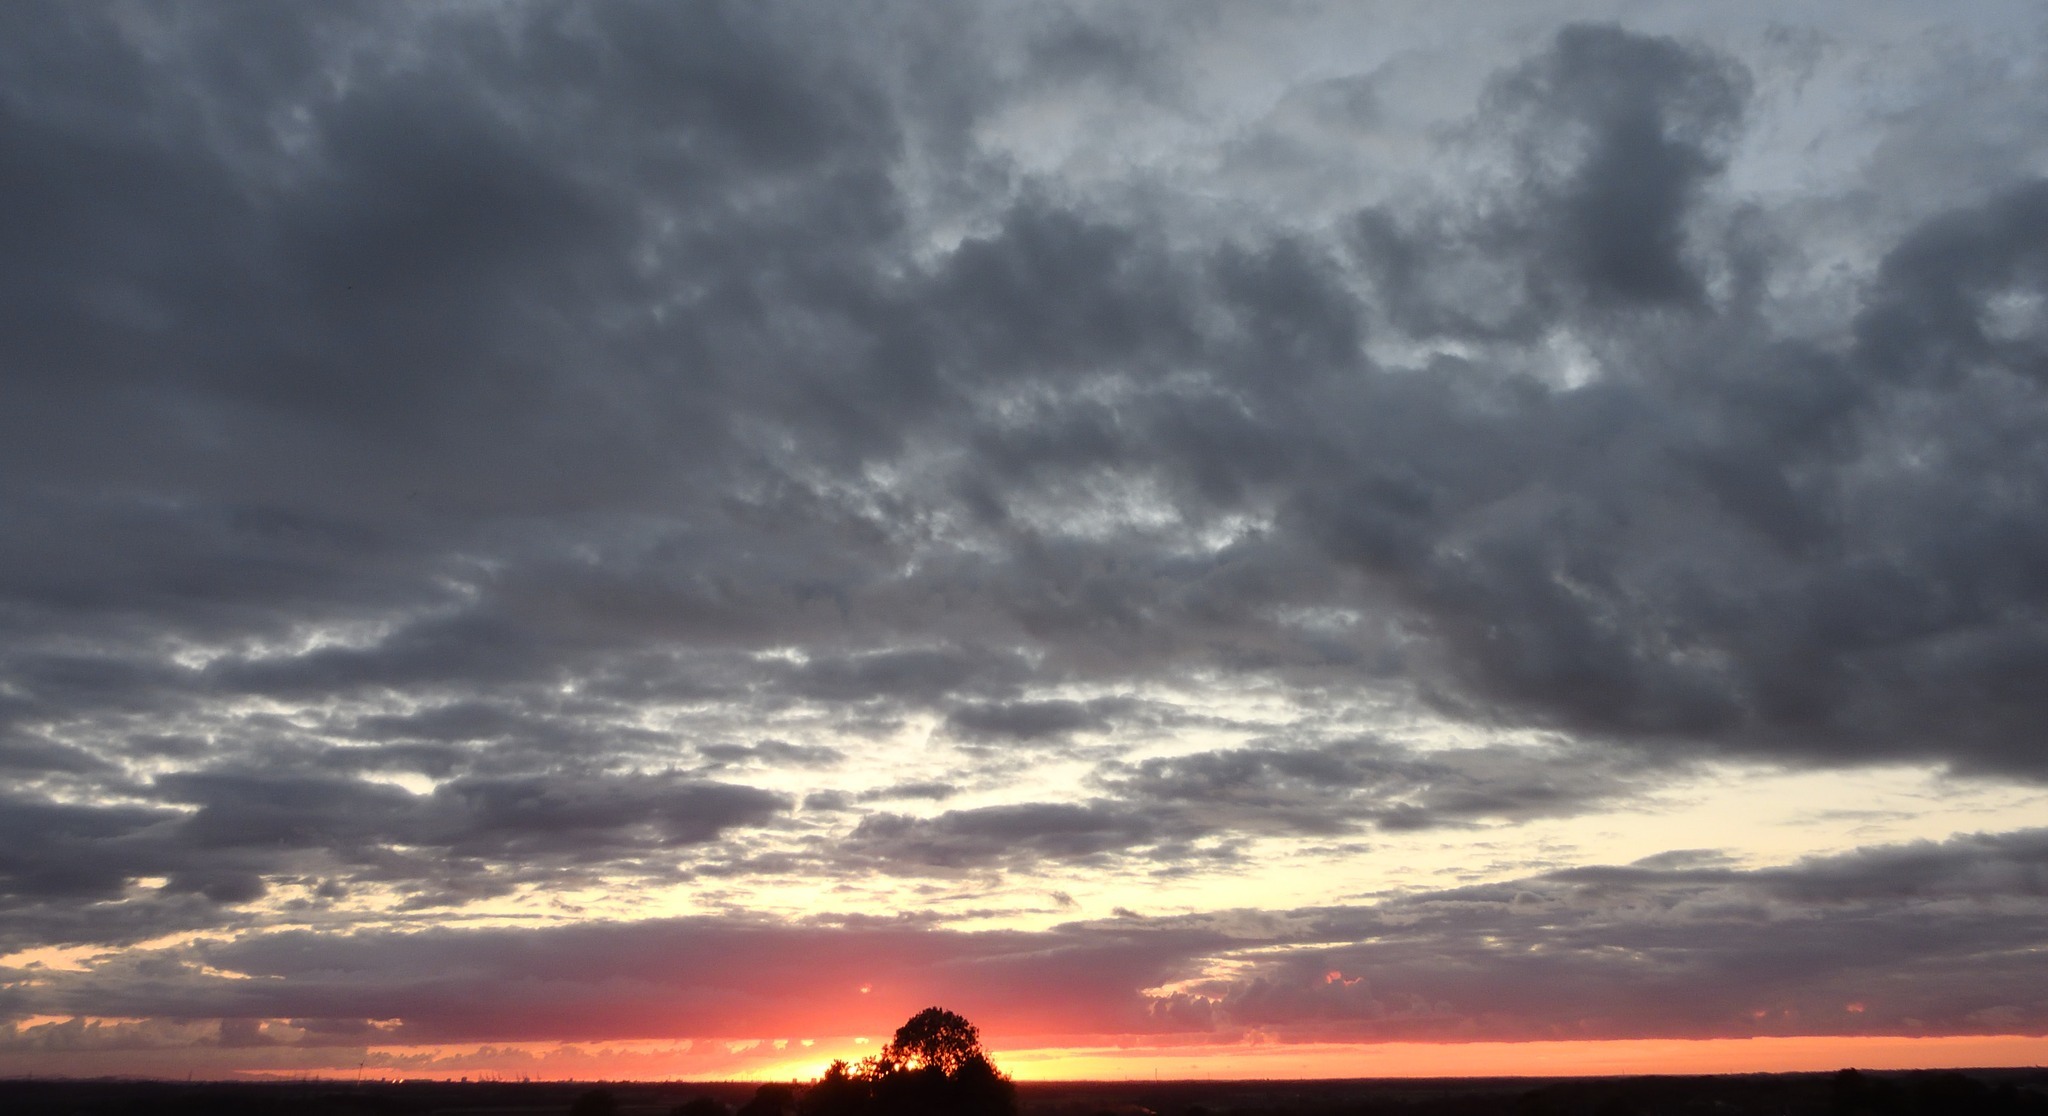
(935, 1037)
(841, 1092)
(772, 1099)
(933, 1067)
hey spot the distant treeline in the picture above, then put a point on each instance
(2021, 1092)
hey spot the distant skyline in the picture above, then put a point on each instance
(1217, 540)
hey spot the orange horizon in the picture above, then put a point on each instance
(1244, 1061)
(1543, 1058)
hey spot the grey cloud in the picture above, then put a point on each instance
(688, 977)
(773, 752)
(1781, 586)
(1641, 124)
(906, 673)
(56, 849)
(243, 828)
(68, 874)
(1175, 814)
(245, 810)
(500, 817)
(1685, 951)
(931, 789)
(991, 836)
(496, 817)
(1334, 787)
(826, 801)
(436, 760)
(467, 649)
(640, 375)
(452, 723)
(1744, 585)
(27, 757)
(1052, 292)
(218, 884)
(1615, 137)
(64, 921)
(1026, 720)
(1975, 866)
(1935, 312)
(1632, 557)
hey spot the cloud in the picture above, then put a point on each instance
(931, 789)
(1687, 950)
(1035, 441)
(1177, 813)
(1335, 787)
(681, 978)
(55, 849)
(1027, 720)
(1605, 952)
(773, 752)
(472, 836)
(986, 836)
(1634, 126)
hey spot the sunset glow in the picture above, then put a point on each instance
(761, 1060)
(1528, 1059)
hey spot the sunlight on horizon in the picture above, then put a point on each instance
(655, 1060)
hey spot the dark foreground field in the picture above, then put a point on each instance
(2006, 1092)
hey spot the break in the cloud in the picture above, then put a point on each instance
(600, 481)
(1863, 943)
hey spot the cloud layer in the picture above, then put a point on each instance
(1926, 939)
(534, 454)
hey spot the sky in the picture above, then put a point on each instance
(1213, 539)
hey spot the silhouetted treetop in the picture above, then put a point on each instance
(933, 1067)
(937, 1038)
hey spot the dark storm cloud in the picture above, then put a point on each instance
(332, 272)
(32, 757)
(57, 849)
(1615, 138)
(438, 391)
(1336, 787)
(1784, 567)
(1018, 835)
(1727, 535)
(1639, 126)
(773, 753)
(928, 789)
(289, 351)
(1055, 293)
(1179, 812)
(917, 674)
(72, 873)
(1878, 945)
(1028, 720)
(453, 723)
(1935, 315)
(1920, 939)
(473, 835)
(510, 818)
(1973, 866)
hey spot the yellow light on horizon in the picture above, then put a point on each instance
(1562, 1058)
